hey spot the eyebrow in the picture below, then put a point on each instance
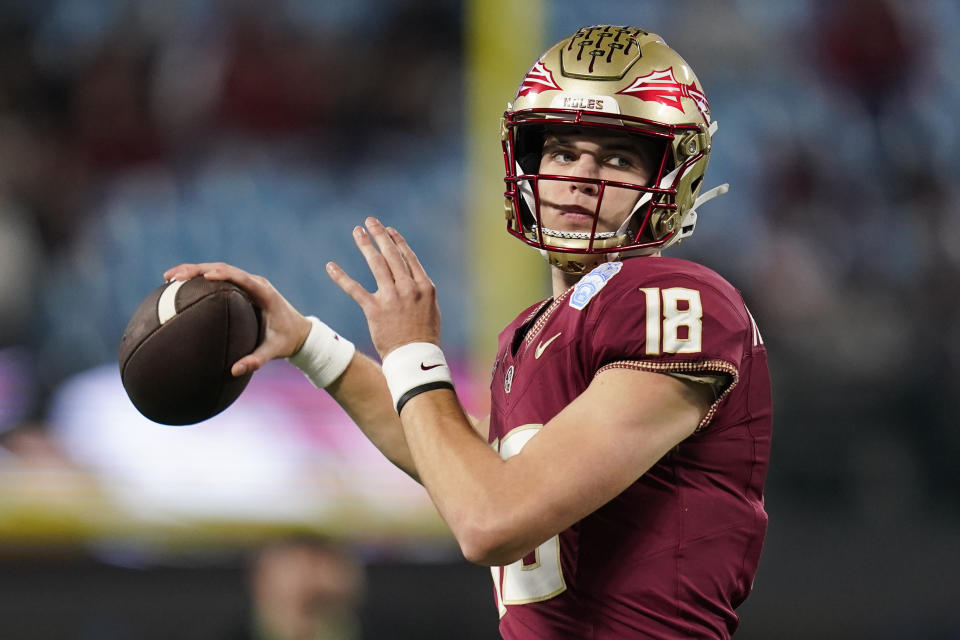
(614, 145)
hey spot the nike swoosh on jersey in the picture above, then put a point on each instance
(543, 346)
(427, 367)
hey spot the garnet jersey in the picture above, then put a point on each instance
(675, 553)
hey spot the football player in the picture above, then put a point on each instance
(616, 489)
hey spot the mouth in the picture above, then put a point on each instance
(571, 221)
(576, 214)
(574, 209)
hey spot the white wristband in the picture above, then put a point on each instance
(413, 369)
(324, 355)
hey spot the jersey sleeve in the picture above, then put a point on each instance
(678, 325)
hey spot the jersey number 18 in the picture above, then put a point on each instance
(675, 318)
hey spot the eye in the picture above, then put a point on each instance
(562, 156)
(620, 162)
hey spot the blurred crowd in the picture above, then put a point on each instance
(136, 134)
(842, 123)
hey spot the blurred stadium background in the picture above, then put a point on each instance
(136, 134)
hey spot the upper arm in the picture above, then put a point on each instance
(480, 425)
(595, 448)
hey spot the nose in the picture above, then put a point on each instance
(585, 167)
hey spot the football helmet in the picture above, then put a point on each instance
(607, 79)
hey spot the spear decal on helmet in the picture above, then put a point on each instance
(663, 87)
(538, 79)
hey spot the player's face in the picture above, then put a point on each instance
(570, 206)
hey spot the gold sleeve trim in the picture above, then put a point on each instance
(686, 369)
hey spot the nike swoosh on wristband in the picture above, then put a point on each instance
(543, 346)
(427, 367)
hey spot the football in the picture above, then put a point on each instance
(177, 350)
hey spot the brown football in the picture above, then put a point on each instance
(177, 350)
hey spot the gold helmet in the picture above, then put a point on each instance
(610, 78)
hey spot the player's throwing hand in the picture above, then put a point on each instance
(285, 328)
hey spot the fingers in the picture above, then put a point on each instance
(251, 362)
(209, 270)
(388, 248)
(285, 328)
(383, 257)
(257, 287)
(188, 271)
(417, 272)
(350, 286)
(185, 271)
(247, 364)
(377, 263)
(390, 258)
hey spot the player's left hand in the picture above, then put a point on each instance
(404, 307)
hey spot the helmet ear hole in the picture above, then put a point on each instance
(529, 147)
(695, 184)
(530, 162)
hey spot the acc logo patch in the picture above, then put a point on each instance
(591, 284)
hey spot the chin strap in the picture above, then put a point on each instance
(526, 191)
(689, 222)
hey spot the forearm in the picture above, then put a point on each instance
(460, 472)
(444, 445)
(363, 394)
(331, 362)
